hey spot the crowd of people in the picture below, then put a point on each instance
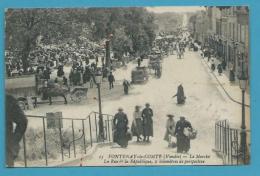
(52, 56)
(212, 57)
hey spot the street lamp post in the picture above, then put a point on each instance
(108, 43)
(98, 80)
(242, 84)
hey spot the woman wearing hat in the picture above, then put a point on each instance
(170, 129)
(183, 141)
(120, 123)
(137, 128)
(147, 115)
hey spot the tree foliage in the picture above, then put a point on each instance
(24, 26)
(168, 22)
(133, 29)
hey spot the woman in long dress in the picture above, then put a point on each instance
(147, 115)
(170, 129)
(120, 123)
(137, 124)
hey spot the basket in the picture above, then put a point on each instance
(193, 134)
(190, 133)
(129, 135)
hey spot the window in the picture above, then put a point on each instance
(243, 33)
(229, 30)
(233, 27)
(239, 32)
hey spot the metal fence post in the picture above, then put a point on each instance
(237, 146)
(215, 136)
(225, 137)
(108, 128)
(220, 136)
(228, 144)
(84, 140)
(24, 151)
(231, 136)
(61, 140)
(69, 151)
(90, 131)
(44, 140)
(73, 137)
(96, 127)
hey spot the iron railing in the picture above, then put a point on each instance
(76, 134)
(228, 143)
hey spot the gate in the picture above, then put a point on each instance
(46, 143)
(228, 143)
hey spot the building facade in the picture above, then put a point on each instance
(225, 29)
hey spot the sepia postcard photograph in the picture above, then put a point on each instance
(127, 86)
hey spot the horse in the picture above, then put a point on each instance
(55, 91)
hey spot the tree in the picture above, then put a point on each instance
(121, 43)
(24, 26)
(132, 28)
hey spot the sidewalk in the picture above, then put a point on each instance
(231, 89)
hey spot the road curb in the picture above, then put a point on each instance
(226, 92)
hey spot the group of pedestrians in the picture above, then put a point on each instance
(180, 131)
(211, 55)
(142, 125)
(142, 129)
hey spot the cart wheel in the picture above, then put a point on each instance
(78, 96)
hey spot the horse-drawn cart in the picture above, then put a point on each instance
(57, 89)
(155, 65)
(27, 88)
(139, 75)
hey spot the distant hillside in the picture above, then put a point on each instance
(168, 21)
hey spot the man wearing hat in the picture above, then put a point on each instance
(111, 80)
(120, 123)
(183, 141)
(170, 129)
(147, 115)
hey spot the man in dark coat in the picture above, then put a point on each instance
(46, 73)
(224, 64)
(105, 72)
(147, 115)
(111, 80)
(77, 77)
(60, 71)
(120, 123)
(14, 114)
(219, 67)
(87, 74)
(86, 60)
(180, 95)
(183, 141)
(139, 62)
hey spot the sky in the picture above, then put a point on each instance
(179, 9)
